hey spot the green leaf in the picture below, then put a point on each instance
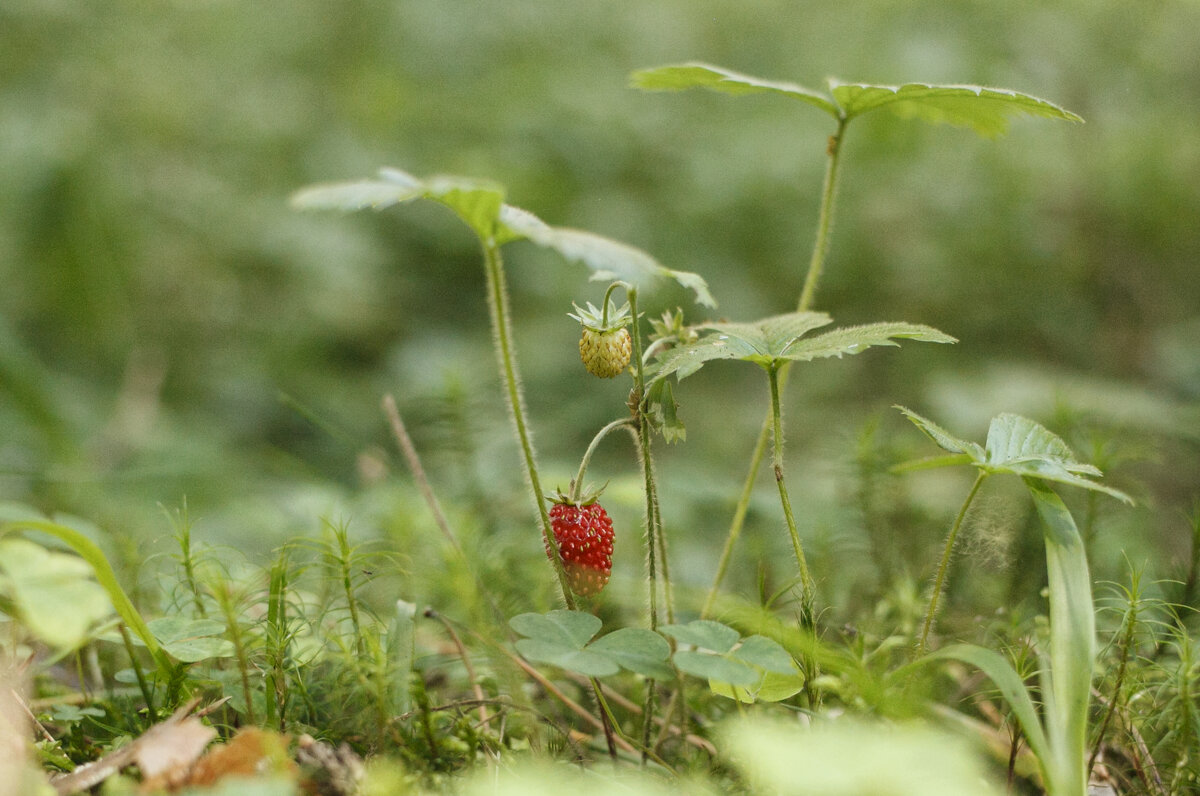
(480, 204)
(476, 202)
(93, 555)
(771, 341)
(677, 77)
(1072, 635)
(572, 629)
(771, 687)
(639, 650)
(354, 195)
(1018, 446)
(704, 633)
(1022, 447)
(401, 651)
(985, 110)
(53, 592)
(850, 340)
(943, 437)
(191, 640)
(1002, 674)
(611, 260)
(715, 667)
(664, 411)
(763, 342)
(765, 653)
(577, 660)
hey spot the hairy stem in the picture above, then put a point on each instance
(507, 358)
(939, 581)
(654, 533)
(577, 484)
(816, 263)
(816, 266)
(808, 591)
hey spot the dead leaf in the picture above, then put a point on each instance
(252, 752)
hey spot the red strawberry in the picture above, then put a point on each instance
(585, 542)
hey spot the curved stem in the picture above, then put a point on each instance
(808, 597)
(506, 355)
(939, 580)
(577, 484)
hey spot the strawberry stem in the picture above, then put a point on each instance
(816, 266)
(506, 355)
(577, 484)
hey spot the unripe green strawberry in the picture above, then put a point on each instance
(605, 354)
(605, 345)
(584, 535)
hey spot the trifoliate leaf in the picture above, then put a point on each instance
(985, 110)
(943, 437)
(1019, 446)
(611, 260)
(765, 653)
(639, 650)
(571, 628)
(480, 204)
(576, 660)
(678, 77)
(476, 202)
(772, 341)
(715, 667)
(851, 340)
(704, 633)
(55, 596)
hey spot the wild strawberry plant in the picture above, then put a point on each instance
(758, 654)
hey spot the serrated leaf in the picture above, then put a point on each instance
(639, 650)
(1013, 438)
(664, 411)
(762, 342)
(944, 438)
(572, 629)
(850, 340)
(715, 667)
(704, 633)
(476, 202)
(1021, 447)
(780, 338)
(985, 110)
(678, 77)
(353, 195)
(611, 260)
(480, 204)
(583, 661)
(765, 653)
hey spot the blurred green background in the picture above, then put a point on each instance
(171, 329)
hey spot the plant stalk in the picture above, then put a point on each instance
(816, 267)
(507, 359)
(939, 580)
(808, 612)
